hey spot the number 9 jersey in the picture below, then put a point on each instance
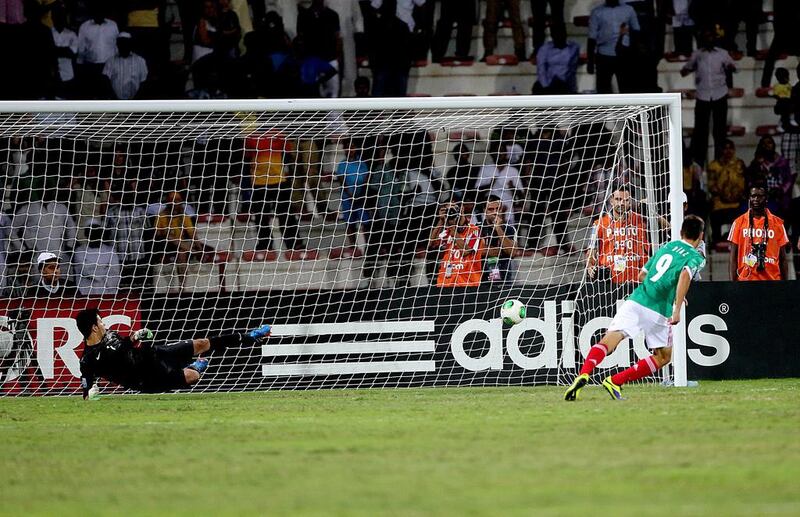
(657, 291)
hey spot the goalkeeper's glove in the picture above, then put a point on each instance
(94, 393)
(142, 334)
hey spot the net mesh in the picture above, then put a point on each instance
(379, 243)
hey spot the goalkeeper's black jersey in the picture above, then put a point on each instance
(115, 359)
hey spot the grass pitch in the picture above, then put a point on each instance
(724, 448)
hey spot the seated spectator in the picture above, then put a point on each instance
(66, 42)
(500, 239)
(230, 32)
(353, 173)
(126, 224)
(318, 25)
(463, 175)
(772, 170)
(726, 186)
(313, 72)
(462, 13)
(51, 284)
(176, 230)
(783, 100)
(96, 265)
(126, 71)
(493, 12)
(5, 235)
(45, 225)
(502, 179)
(462, 246)
(362, 86)
(206, 35)
(557, 65)
(20, 277)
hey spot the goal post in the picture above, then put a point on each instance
(330, 219)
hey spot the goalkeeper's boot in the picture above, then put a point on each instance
(199, 365)
(574, 390)
(261, 332)
(612, 389)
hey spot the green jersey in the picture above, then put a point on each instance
(657, 292)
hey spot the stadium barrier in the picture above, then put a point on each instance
(444, 338)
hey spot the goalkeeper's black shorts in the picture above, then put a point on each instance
(164, 371)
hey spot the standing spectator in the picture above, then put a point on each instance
(206, 38)
(319, 27)
(230, 32)
(711, 66)
(390, 45)
(126, 71)
(45, 225)
(557, 65)
(773, 171)
(783, 100)
(353, 173)
(66, 42)
(606, 23)
(694, 185)
(493, 11)
(619, 246)
(726, 186)
(35, 57)
(313, 72)
(462, 13)
(748, 11)
(758, 242)
(463, 248)
(538, 8)
(97, 42)
(362, 86)
(189, 12)
(500, 239)
(272, 191)
(786, 38)
(682, 26)
(463, 175)
(502, 179)
(145, 24)
(96, 265)
(51, 284)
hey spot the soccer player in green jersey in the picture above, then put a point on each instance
(653, 308)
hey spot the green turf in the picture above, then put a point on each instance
(724, 448)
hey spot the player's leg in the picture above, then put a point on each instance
(595, 356)
(659, 339)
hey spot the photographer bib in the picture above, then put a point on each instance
(759, 241)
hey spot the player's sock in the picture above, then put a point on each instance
(643, 368)
(596, 355)
(220, 343)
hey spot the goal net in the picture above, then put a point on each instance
(378, 237)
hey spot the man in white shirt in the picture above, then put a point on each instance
(502, 180)
(96, 265)
(97, 41)
(126, 71)
(66, 42)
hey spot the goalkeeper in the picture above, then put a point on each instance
(145, 367)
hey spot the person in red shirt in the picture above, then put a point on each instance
(758, 242)
(462, 263)
(620, 246)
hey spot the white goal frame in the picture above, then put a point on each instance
(670, 101)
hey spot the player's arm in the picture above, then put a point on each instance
(684, 281)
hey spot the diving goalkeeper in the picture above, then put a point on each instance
(145, 367)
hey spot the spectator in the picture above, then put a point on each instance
(493, 11)
(463, 248)
(35, 59)
(5, 237)
(711, 66)
(362, 86)
(538, 8)
(12, 12)
(96, 265)
(758, 242)
(189, 12)
(44, 225)
(462, 13)
(66, 42)
(694, 185)
(125, 225)
(783, 100)
(773, 171)
(230, 32)
(145, 25)
(557, 65)
(786, 38)
(51, 284)
(97, 42)
(605, 25)
(126, 71)
(353, 173)
(502, 179)
(389, 29)
(682, 26)
(748, 11)
(313, 71)
(500, 240)
(207, 33)
(790, 142)
(272, 191)
(619, 247)
(726, 186)
(20, 278)
(176, 230)
(319, 27)
(463, 175)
